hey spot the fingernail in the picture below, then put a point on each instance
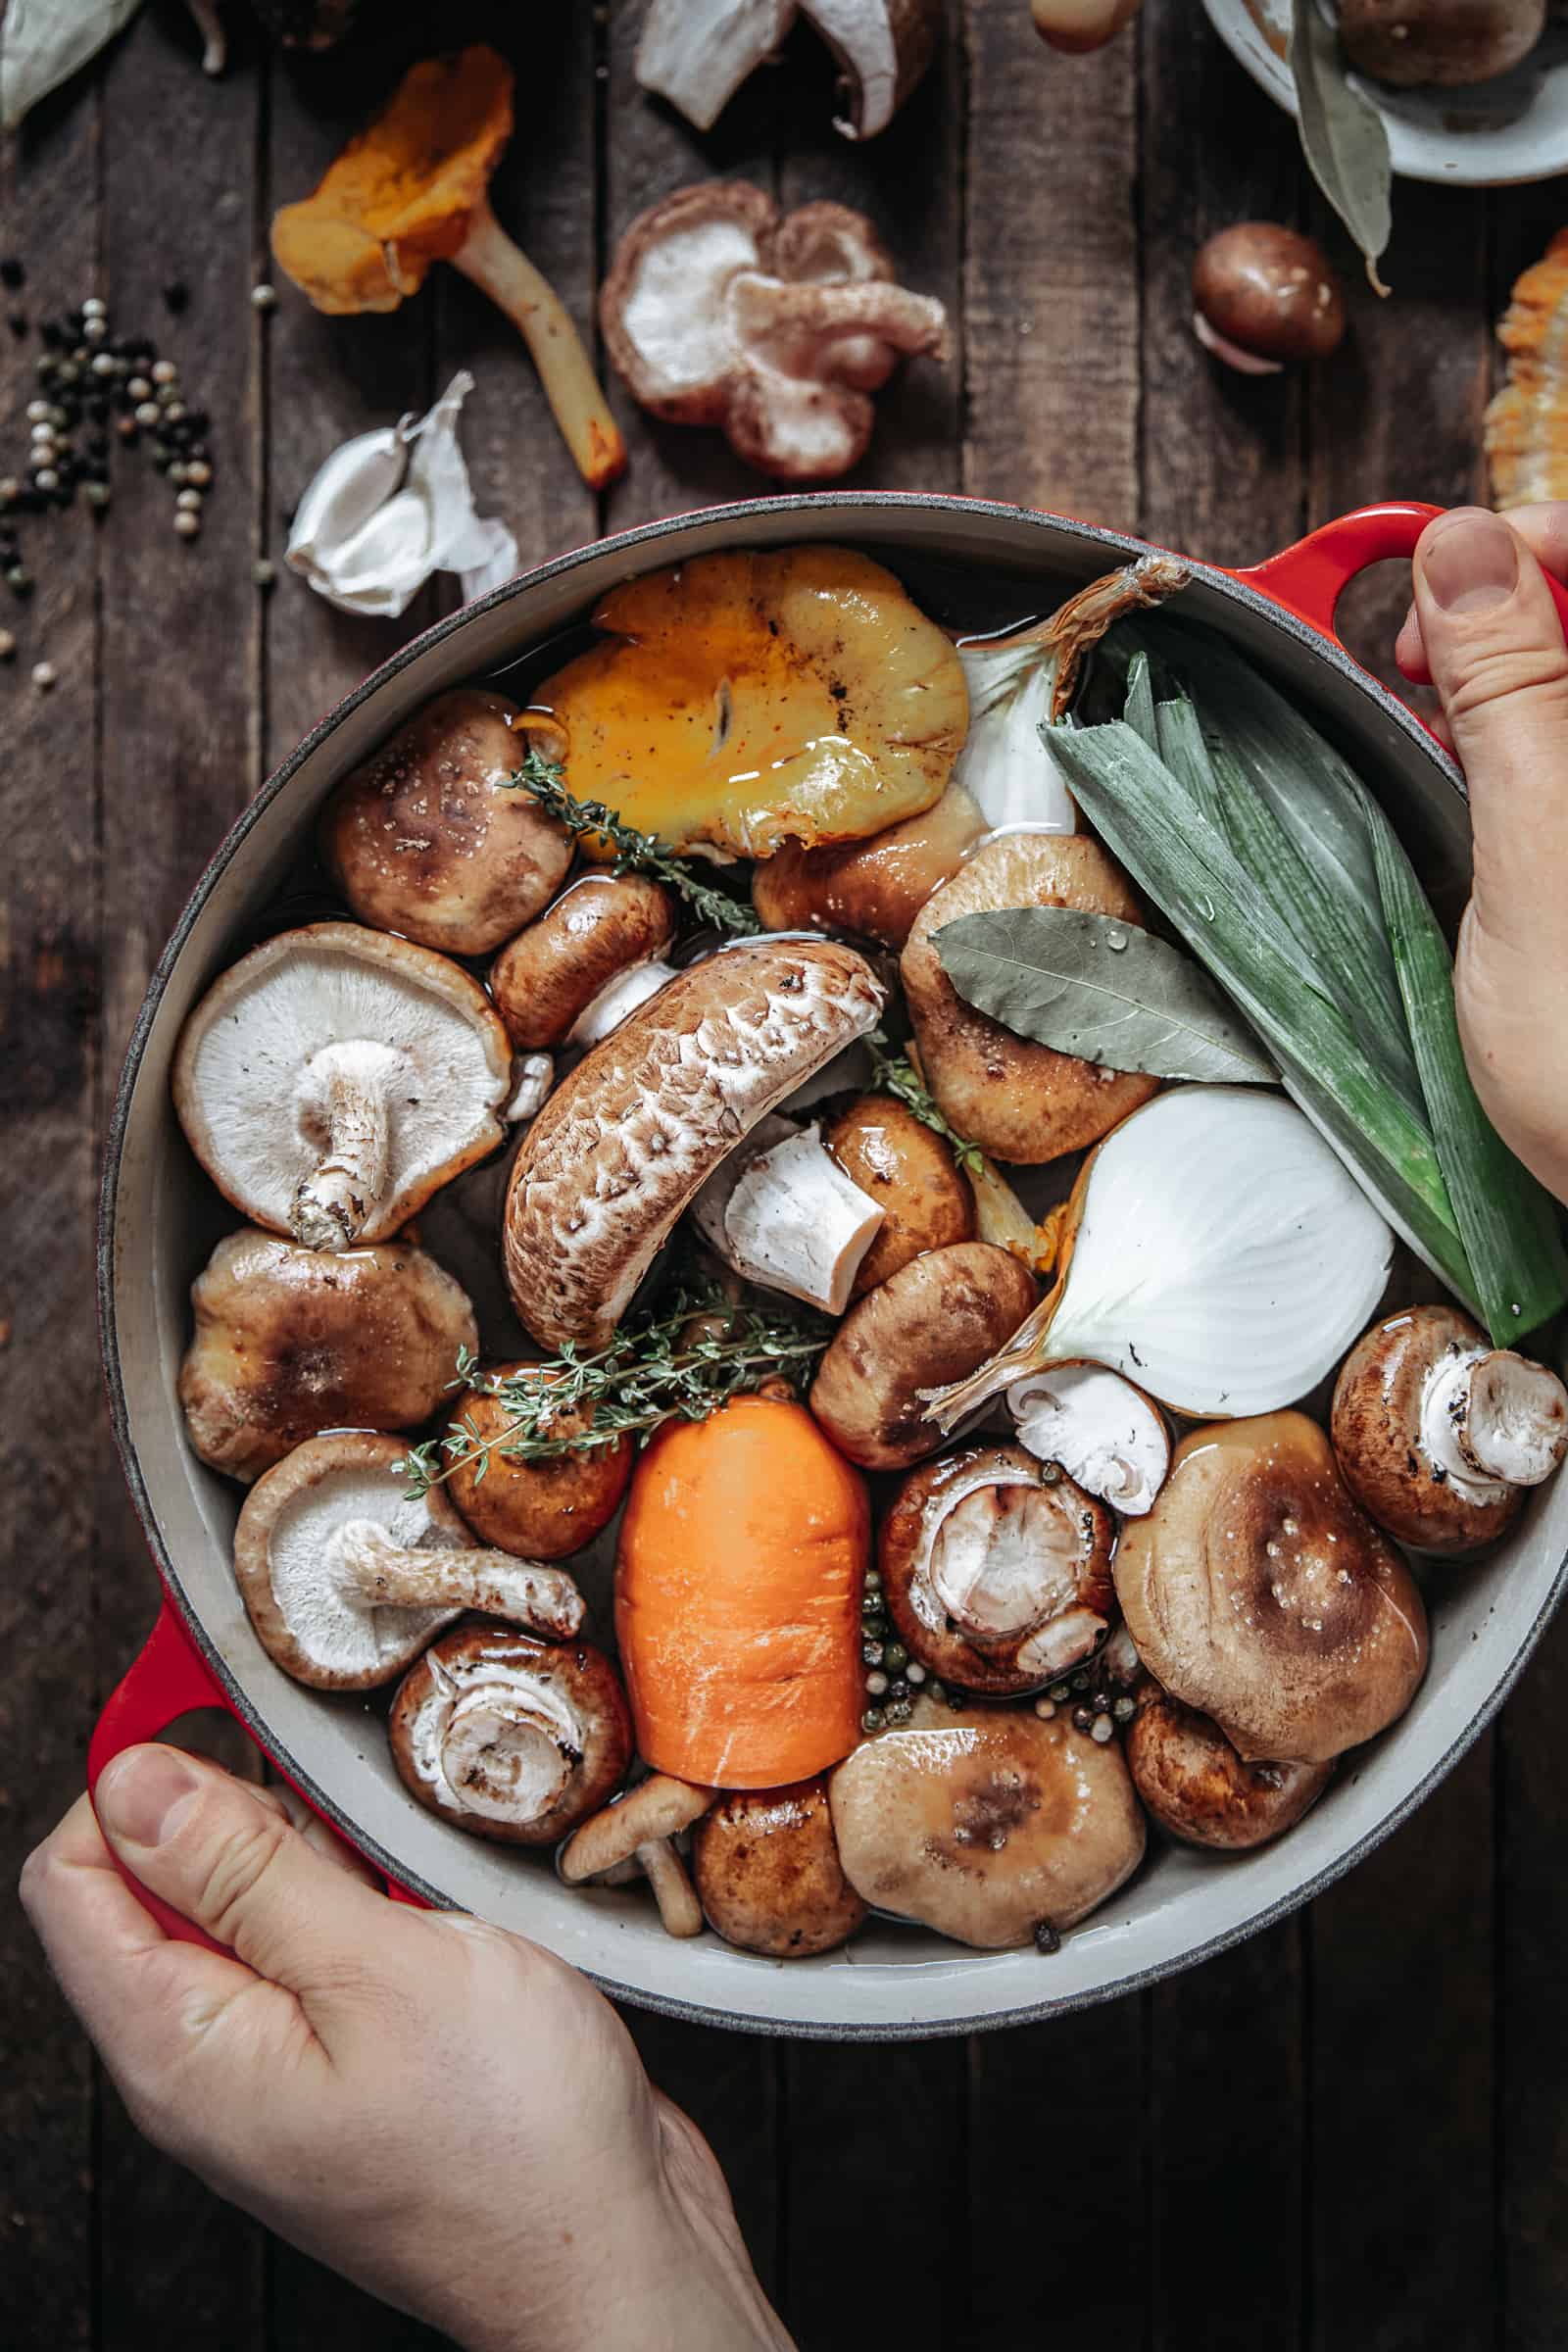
(1470, 562)
(143, 1795)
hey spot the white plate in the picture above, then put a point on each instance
(1429, 134)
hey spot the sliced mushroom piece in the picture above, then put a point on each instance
(509, 1738)
(345, 1578)
(933, 1322)
(883, 47)
(873, 887)
(989, 1824)
(910, 1174)
(543, 1509)
(591, 959)
(1257, 1593)
(782, 1213)
(1439, 1434)
(995, 1569)
(1196, 1784)
(628, 1137)
(335, 1078)
(697, 53)
(637, 1833)
(289, 1342)
(768, 1874)
(1102, 1431)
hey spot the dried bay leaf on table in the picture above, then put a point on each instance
(43, 42)
(1343, 137)
(1105, 990)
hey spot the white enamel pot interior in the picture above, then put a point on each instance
(159, 1223)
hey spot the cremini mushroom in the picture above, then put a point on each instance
(1258, 1593)
(586, 963)
(429, 836)
(626, 1139)
(1017, 1100)
(768, 1872)
(989, 1823)
(995, 1569)
(509, 1738)
(782, 1213)
(1448, 42)
(1441, 1435)
(289, 1342)
(1102, 1431)
(697, 53)
(934, 1322)
(638, 1830)
(335, 1078)
(716, 311)
(1196, 1786)
(544, 1508)
(873, 888)
(910, 1174)
(345, 1578)
(1264, 295)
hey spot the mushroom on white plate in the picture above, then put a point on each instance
(634, 1837)
(767, 1868)
(335, 1078)
(1196, 1787)
(1102, 1431)
(594, 955)
(782, 1213)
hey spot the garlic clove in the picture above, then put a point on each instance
(1102, 1431)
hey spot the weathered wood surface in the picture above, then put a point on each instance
(1350, 2132)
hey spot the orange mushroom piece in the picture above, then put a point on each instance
(412, 189)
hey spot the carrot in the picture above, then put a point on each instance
(738, 1581)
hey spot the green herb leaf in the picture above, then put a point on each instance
(1343, 137)
(635, 853)
(1107, 991)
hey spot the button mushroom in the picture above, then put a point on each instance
(997, 1570)
(335, 1078)
(345, 1578)
(933, 1322)
(1440, 1436)
(1257, 1593)
(1017, 1100)
(635, 1834)
(543, 1509)
(626, 1139)
(718, 312)
(509, 1738)
(431, 838)
(910, 1174)
(1264, 295)
(873, 888)
(1196, 1784)
(989, 1824)
(289, 1342)
(591, 959)
(768, 1874)
(1102, 1431)
(782, 1213)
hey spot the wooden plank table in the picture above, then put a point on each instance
(1349, 2133)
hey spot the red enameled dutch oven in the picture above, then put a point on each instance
(157, 1226)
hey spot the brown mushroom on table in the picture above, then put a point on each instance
(995, 1569)
(588, 961)
(635, 1836)
(910, 1172)
(429, 837)
(873, 887)
(992, 1824)
(545, 1508)
(290, 1341)
(1259, 1593)
(768, 1872)
(626, 1141)
(335, 1078)
(1409, 43)
(1265, 296)
(1197, 1788)
(346, 1577)
(1079, 26)
(509, 1738)
(1439, 1434)
(934, 1322)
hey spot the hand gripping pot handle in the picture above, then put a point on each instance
(168, 1679)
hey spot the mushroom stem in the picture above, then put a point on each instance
(788, 1217)
(617, 999)
(489, 258)
(817, 311)
(333, 1205)
(1495, 1416)
(215, 41)
(679, 1911)
(532, 1077)
(387, 1574)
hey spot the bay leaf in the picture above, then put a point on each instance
(1107, 991)
(1343, 137)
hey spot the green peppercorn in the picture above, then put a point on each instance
(1051, 1473)
(895, 1657)
(872, 1720)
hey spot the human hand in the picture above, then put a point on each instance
(1484, 632)
(445, 2113)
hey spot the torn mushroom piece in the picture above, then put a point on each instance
(1441, 1435)
(1198, 1789)
(543, 1509)
(508, 1737)
(638, 1830)
(335, 1078)
(782, 1213)
(589, 959)
(630, 1135)
(1102, 1431)
(873, 887)
(989, 1824)
(345, 1578)
(768, 1872)
(909, 1174)
(697, 53)
(997, 1570)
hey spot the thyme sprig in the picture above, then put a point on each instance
(681, 1364)
(635, 853)
(896, 1075)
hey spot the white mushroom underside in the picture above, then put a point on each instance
(318, 1601)
(500, 1744)
(1104, 1434)
(1491, 1420)
(685, 344)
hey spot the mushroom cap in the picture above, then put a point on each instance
(428, 838)
(309, 1620)
(400, 194)
(1270, 290)
(1259, 1593)
(1196, 1784)
(600, 926)
(661, 1806)
(874, 888)
(910, 1174)
(768, 1872)
(541, 1510)
(253, 1109)
(986, 1823)
(629, 1135)
(1017, 1100)
(934, 1321)
(1376, 1427)
(996, 1572)
(289, 1342)
(509, 1738)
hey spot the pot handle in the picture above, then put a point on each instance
(1309, 578)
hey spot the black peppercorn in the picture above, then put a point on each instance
(177, 296)
(1081, 1719)
(1047, 1940)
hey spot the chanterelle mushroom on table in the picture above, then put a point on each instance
(335, 1078)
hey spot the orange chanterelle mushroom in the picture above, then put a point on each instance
(411, 190)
